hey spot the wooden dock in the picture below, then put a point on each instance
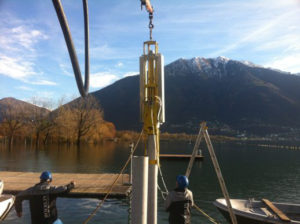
(179, 157)
(87, 185)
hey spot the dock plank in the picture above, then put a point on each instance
(87, 185)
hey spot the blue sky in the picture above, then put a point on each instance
(34, 60)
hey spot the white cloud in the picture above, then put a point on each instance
(19, 38)
(289, 63)
(42, 95)
(130, 74)
(66, 69)
(16, 68)
(102, 79)
(107, 52)
(26, 37)
(261, 33)
(287, 42)
(42, 82)
(22, 70)
(25, 88)
(19, 41)
(119, 65)
(18, 45)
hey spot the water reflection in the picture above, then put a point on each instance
(249, 172)
(64, 158)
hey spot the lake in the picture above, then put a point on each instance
(249, 171)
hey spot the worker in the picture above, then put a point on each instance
(179, 202)
(42, 200)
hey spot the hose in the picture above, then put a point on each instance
(83, 89)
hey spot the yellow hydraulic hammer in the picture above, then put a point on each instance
(152, 99)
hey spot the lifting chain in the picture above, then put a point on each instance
(151, 26)
(150, 10)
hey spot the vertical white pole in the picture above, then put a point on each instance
(152, 184)
(131, 155)
(139, 190)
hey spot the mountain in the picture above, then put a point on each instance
(229, 94)
(16, 106)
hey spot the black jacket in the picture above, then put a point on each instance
(178, 203)
(42, 200)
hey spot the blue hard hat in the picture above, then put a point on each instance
(46, 175)
(182, 181)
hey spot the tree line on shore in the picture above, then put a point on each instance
(72, 123)
(80, 121)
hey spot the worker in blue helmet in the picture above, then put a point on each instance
(42, 200)
(179, 202)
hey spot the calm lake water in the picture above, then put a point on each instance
(249, 172)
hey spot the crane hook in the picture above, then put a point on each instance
(147, 4)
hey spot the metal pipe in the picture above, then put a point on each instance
(152, 184)
(139, 190)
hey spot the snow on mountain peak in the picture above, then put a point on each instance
(250, 64)
(210, 66)
(199, 63)
(222, 59)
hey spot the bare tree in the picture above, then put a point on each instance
(82, 119)
(78, 119)
(86, 115)
(39, 117)
(14, 117)
(64, 128)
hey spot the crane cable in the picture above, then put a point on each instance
(83, 89)
(150, 10)
(115, 181)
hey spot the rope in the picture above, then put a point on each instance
(205, 214)
(162, 180)
(115, 181)
(163, 193)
